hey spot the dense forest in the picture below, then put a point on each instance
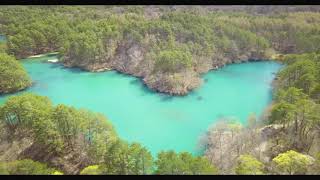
(169, 48)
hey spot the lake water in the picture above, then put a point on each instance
(158, 121)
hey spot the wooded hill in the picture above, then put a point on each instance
(167, 46)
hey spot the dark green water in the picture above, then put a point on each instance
(158, 121)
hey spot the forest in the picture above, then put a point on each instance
(143, 41)
(168, 48)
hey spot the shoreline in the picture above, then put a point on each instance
(156, 89)
(42, 55)
(151, 84)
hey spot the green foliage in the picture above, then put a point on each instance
(177, 41)
(248, 165)
(26, 167)
(173, 61)
(302, 74)
(91, 170)
(33, 113)
(183, 163)
(3, 47)
(298, 114)
(12, 74)
(170, 163)
(57, 173)
(317, 163)
(86, 46)
(291, 162)
(88, 35)
(296, 104)
(59, 128)
(98, 132)
(3, 169)
(68, 121)
(126, 159)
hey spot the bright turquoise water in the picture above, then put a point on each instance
(158, 121)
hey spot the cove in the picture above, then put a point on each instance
(158, 121)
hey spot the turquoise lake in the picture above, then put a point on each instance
(158, 121)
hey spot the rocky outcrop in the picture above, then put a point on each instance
(173, 84)
(130, 59)
(269, 131)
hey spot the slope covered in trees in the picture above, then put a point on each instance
(26, 167)
(58, 134)
(13, 76)
(76, 141)
(144, 41)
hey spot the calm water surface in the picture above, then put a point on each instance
(158, 121)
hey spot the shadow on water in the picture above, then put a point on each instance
(146, 90)
(135, 82)
(199, 98)
(166, 97)
(75, 70)
(70, 69)
(221, 116)
(18, 92)
(121, 74)
(56, 66)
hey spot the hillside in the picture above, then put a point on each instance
(168, 47)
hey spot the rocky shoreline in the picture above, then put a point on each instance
(176, 84)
